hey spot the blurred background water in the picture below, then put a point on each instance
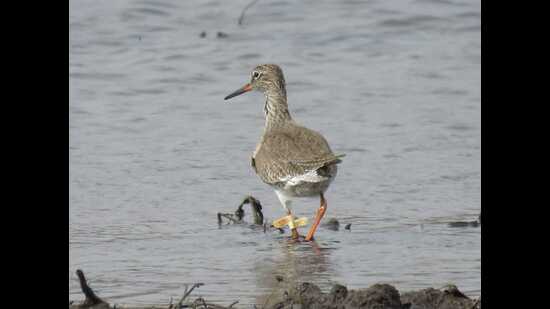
(155, 152)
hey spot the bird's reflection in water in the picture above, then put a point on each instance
(293, 262)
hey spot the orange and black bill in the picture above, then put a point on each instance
(240, 91)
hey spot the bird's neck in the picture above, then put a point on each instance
(276, 109)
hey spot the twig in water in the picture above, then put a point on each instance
(244, 10)
(202, 301)
(91, 297)
(196, 285)
(256, 210)
(476, 303)
(227, 216)
(234, 303)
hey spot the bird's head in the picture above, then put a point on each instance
(267, 78)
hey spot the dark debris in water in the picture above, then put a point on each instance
(332, 224)
(258, 217)
(219, 35)
(249, 5)
(466, 223)
(93, 302)
(239, 214)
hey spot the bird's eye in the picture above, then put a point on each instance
(255, 74)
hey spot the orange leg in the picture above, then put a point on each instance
(318, 217)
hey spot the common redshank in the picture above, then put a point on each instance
(294, 160)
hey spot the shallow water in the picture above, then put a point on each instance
(155, 152)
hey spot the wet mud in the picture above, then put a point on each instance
(305, 295)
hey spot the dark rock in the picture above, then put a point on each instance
(453, 290)
(378, 296)
(305, 294)
(449, 298)
(338, 293)
(222, 35)
(203, 34)
(309, 296)
(332, 224)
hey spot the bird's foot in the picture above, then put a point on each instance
(295, 234)
(290, 221)
(300, 239)
(297, 238)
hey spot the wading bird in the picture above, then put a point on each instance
(294, 160)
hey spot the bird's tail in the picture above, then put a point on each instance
(320, 161)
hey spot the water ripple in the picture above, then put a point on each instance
(155, 152)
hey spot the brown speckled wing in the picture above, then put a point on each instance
(290, 151)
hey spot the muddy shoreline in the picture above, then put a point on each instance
(291, 295)
(304, 295)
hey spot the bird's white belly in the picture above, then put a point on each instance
(309, 184)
